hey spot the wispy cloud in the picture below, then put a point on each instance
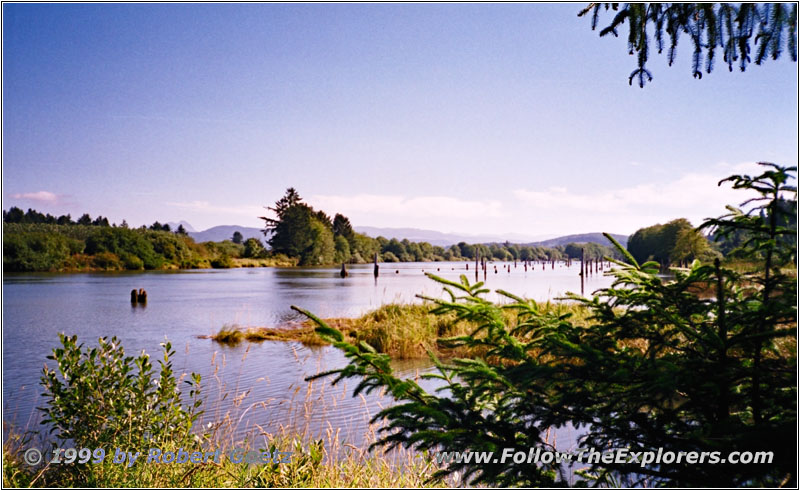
(38, 196)
(694, 195)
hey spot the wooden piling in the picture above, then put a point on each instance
(343, 272)
(376, 265)
(142, 296)
(134, 296)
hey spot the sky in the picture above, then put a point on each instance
(465, 118)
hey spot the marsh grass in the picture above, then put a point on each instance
(404, 331)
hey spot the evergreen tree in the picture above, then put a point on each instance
(726, 26)
(342, 227)
(14, 215)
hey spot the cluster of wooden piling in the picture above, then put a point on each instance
(587, 268)
(139, 296)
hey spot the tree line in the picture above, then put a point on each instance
(313, 238)
(33, 241)
(679, 243)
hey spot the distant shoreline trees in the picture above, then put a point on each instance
(33, 241)
(675, 242)
(301, 232)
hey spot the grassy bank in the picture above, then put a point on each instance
(315, 463)
(404, 331)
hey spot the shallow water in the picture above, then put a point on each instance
(257, 383)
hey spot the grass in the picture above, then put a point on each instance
(404, 331)
(312, 466)
(279, 261)
(320, 458)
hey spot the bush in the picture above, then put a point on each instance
(389, 257)
(106, 260)
(131, 261)
(222, 262)
(99, 398)
(253, 248)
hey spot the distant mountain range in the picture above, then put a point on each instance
(225, 232)
(444, 239)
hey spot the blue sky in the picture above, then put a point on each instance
(460, 118)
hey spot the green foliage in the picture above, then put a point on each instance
(656, 365)
(107, 261)
(237, 237)
(222, 262)
(342, 250)
(100, 398)
(672, 243)
(53, 247)
(35, 251)
(118, 240)
(321, 249)
(710, 26)
(343, 228)
(253, 248)
(590, 250)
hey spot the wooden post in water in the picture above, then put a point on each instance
(343, 272)
(142, 297)
(582, 258)
(134, 296)
(375, 271)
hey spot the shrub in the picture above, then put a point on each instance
(99, 398)
(222, 262)
(389, 257)
(106, 260)
(131, 261)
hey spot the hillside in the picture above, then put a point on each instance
(225, 232)
(595, 237)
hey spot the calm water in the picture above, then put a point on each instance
(267, 377)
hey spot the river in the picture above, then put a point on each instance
(256, 383)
